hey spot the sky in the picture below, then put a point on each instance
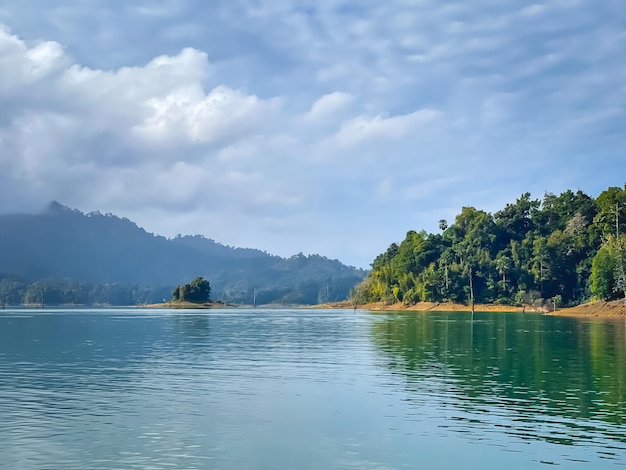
(328, 126)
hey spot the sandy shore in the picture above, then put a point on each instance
(610, 310)
(431, 306)
(444, 307)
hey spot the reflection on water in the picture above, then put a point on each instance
(308, 389)
(533, 377)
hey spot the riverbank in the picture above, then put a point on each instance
(609, 310)
(598, 309)
(432, 307)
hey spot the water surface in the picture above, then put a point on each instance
(309, 389)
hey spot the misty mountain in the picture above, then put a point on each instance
(62, 243)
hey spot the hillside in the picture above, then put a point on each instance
(559, 251)
(65, 244)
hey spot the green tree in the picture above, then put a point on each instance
(197, 291)
(603, 274)
(611, 216)
(617, 250)
(516, 219)
(200, 290)
(6, 286)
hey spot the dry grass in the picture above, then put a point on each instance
(609, 310)
(430, 306)
(445, 307)
(599, 309)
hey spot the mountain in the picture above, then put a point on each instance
(63, 243)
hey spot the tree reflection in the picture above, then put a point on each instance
(193, 324)
(533, 369)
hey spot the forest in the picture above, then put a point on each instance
(50, 292)
(66, 257)
(559, 251)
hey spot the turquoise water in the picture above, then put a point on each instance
(309, 389)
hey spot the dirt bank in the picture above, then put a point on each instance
(614, 309)
(432, 306)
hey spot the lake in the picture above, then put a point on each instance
(309, 389)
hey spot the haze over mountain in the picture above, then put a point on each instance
(63, 243)
(336, 125)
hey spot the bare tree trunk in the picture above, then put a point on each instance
(471, 283)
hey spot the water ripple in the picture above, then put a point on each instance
(306, 389)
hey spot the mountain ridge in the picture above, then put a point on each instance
(65, 243)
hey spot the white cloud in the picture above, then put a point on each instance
(364, 128)
(278, 119)
(23, 66)
(328, 105)
(534, 9)
(161, 102)
(188, 115)
(144, 135)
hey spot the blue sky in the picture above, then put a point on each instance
(328, 127)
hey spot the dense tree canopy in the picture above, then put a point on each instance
(567, 249)
(198, 291)
(51, 292)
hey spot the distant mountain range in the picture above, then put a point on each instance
(65, 244)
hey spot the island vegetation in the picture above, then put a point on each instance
(197, 291)
(559, 251)
(193, 295)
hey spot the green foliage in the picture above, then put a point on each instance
(114, 254)
(602, 277)
(515, 219)
(608, 269)
(611, 216)
(51, 292)
(197, 291)
(531, 252)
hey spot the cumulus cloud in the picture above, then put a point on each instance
(274, 124)
(24, 66)
(136, 107)
(192, 116)
(130, 138)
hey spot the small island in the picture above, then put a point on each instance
(195, 294)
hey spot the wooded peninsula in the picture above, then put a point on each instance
(560, 251)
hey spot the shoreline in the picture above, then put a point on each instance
(438, 307)
(177, 304)
(606, 310)
(593, 310)
(612, 310)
